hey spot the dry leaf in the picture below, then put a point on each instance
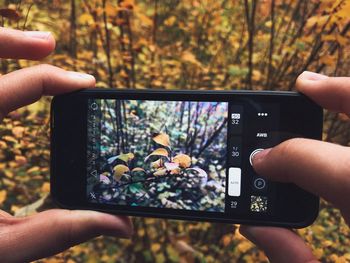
(3, 194)
(119, 170)
(183, 160)
(158, 152)
(162, 139)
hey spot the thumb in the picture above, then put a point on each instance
(279, 244)
(52, 231)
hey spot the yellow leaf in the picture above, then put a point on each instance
(170, 21)
(162, 139)
(187, 56)
(3, 145)
(34, 169)
(138, 169)
(111, 10)
(146, 21)
(160, 172)
(158, 152)
(126, 156)
(318, 253)
(155, 247)
(183, 160)
(21, 160)
(14, 208)
(157, 164)
(9, 139)
(317, 229)
(119, 170)
(86, 19)
(18, 131)
(3, 195)
(244, 246)
(45, 187)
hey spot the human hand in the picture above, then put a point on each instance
(52, 231)
(318, 167)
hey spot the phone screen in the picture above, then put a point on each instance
(184, 155)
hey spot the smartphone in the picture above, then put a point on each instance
(179, 154)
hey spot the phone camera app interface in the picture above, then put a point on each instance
(162, 154)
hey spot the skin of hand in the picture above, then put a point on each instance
(318, 167)
(46, 233)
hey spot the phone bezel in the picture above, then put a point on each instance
(69, 134)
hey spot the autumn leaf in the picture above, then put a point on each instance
(183, 160)
(170, 21)
(171, 166)
(119, 170)
(18, 131)
(125, 157)
(86, 19)
(138, 169)
(10, 14)
(20, 160)
(158, 152)
(187, 56)
(162, 139)
(160, 172)
(45, 188)
(156, 164)
(155, 247)
(3, 194)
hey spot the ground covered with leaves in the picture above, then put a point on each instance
(174, 44)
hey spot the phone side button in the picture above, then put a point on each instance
(234, 181)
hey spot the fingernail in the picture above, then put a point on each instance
(79, 75)
(308, 75)
(37, 34)
(260, 155)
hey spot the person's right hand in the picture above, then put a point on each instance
(318, 167)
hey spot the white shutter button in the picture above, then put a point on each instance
(253, 153)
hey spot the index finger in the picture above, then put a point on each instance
(18, 44)
(27, 85)
(332, 93)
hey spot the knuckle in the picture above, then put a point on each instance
(290, 147)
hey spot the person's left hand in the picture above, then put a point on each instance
(52, 231)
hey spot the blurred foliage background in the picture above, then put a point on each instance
(173, 44)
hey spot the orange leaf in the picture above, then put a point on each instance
(183, 160)
(158, 152)
(162, 139)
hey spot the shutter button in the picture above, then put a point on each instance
(252, 155)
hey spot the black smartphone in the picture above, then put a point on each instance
(179, 154)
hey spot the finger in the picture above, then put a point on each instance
(279, 244)
(332, 93)
(319, 167)
(27, 85)
(25, 44)
(4, 214)
(52, 231)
